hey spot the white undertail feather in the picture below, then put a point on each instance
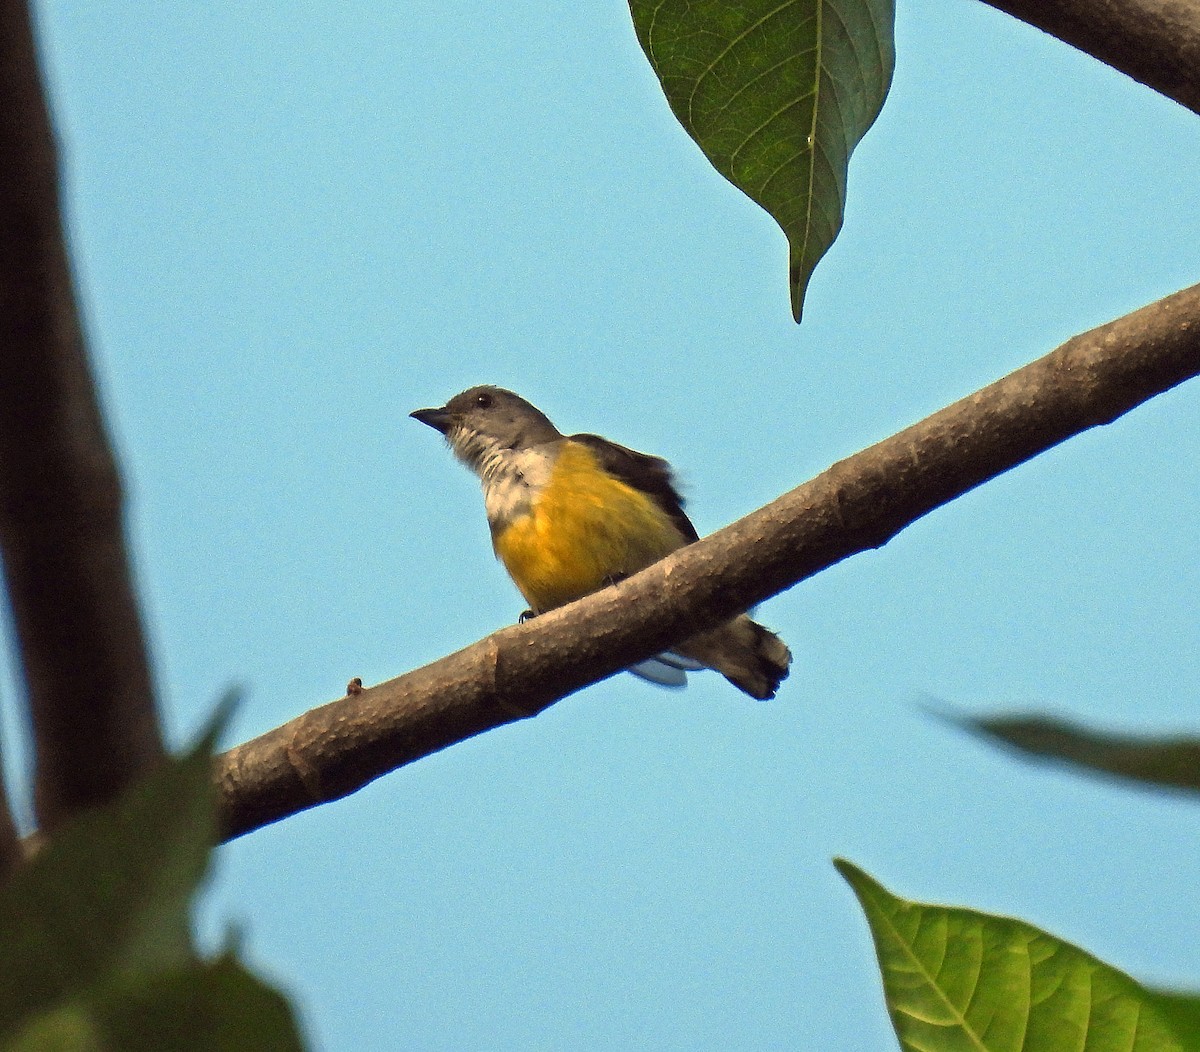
(659, 673)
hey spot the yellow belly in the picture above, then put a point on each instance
(584, 529)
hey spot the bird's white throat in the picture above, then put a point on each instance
(511, 478)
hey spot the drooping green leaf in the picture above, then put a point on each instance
(960, 980)
(777, 93)
(1168, 762)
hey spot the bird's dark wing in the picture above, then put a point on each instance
(650, 475)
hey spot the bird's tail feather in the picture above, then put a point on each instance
(750, 656)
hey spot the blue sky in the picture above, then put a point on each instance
(294, 223)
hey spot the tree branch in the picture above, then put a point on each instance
(857, 504)
(11, 850)
(1156, 42)
(67, 572)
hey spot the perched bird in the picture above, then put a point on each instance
(572, 513)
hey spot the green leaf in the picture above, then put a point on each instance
(777, 93)
(960, 980)
(1182, 1011)
(1170, 762)
(95, 939)
(213, 1007)
(67, 1028)
(110, 893)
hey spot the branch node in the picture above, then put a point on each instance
(504, 699)
(307, 774)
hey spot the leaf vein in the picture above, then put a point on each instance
(730, 46)
(919, 967)
(760, 75)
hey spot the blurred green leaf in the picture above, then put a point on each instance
(95, 936)
(1170, 762)
(110, 892)
(67, 1028)
(212, 1007)
(777, 93)
(207, 1007)
(960, 980)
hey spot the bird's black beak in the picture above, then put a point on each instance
(438, 419)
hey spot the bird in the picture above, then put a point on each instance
(570, 514)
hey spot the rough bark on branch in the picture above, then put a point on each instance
(857, 504)
(61, 531)
(1156, 42)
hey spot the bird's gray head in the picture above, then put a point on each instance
(482, 423)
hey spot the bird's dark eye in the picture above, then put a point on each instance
(484, 400)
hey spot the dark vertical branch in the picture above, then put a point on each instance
(68, 576)
(1156, 42)
(11, 851)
